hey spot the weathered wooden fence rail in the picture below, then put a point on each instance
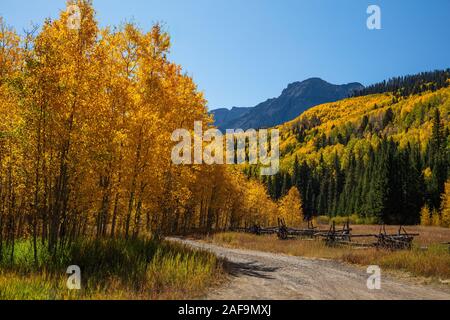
(402, 240)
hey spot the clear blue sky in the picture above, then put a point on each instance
(241, 52)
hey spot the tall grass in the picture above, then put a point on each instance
(110, 269)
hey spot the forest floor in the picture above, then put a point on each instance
(264, 274)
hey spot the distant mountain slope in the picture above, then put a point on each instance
(294, 100)
(380, 157)
(225, 116)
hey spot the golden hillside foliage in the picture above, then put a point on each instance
(411, 124)
(381, 156)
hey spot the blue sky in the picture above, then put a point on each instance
(241, 52)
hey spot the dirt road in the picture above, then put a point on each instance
(259, 275)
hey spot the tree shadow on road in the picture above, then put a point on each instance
(251, 268)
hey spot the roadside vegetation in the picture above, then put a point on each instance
(110, 269)
(428, 258)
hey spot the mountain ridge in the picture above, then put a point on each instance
(296, 98)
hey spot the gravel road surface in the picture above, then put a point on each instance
(256, 275)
